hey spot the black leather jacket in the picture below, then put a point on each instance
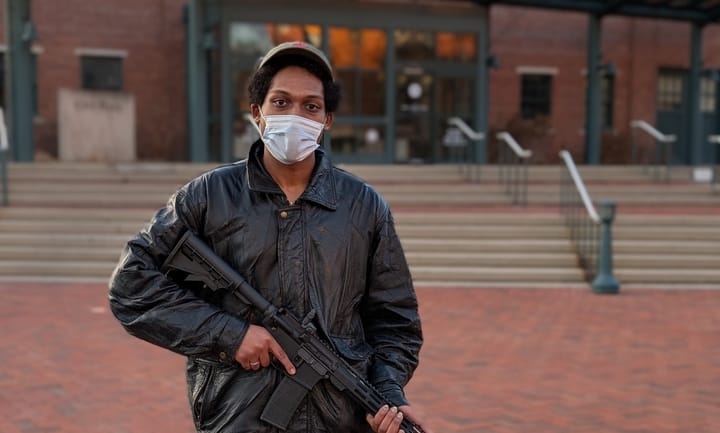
(334, 251)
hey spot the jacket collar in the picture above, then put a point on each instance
(320, 189)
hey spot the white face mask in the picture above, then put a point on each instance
(290, 138)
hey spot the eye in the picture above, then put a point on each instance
(279, 102)
(312, 107)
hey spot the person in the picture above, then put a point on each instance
(310, 237)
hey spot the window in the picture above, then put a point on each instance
(670, 90)
(414, 45)
(456, 46)
(102, 73)
(708, 88)
(358, 57)
(536, 93)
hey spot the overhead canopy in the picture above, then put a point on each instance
(698, 11)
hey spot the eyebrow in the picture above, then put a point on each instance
(286, 93)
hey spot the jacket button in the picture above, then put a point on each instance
(283, 214)
(223, 356)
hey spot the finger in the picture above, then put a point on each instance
(371, 420)
(415, 416)
(374, 420)
(280, 355)
(395, 424)
(388, 420)
(264, 359)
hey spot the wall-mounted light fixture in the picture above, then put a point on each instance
(492, 62)
(608, 69)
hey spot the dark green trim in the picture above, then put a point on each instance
(227, 95)
(390, 97)
(20, 78)
(353, 15)
(482, 91)
(665, 10)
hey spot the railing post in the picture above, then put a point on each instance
(4, 178)
(604, 281)
(4, 148)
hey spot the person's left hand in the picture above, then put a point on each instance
(388, 419)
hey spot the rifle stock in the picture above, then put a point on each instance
(313, 358)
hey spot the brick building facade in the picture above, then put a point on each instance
(149, 37)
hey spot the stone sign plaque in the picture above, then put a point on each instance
(96, 126)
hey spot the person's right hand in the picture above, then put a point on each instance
(388, 419)
(258, 348)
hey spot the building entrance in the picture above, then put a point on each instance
(399, 86)
(672, 106)
(425, 100)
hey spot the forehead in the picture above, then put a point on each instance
(298, 81)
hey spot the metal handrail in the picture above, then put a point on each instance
(589, 231)
(4, 148)
(515, 176)
(579, 185)
(466, 129)
(665, 138)
(466, 163)
(660, 140)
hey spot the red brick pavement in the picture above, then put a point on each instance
(495, 361)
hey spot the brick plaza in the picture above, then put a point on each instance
(495, 361)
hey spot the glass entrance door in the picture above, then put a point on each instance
(426, 99)
(414, 116)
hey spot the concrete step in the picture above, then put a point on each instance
(430, 274)
(412, 245)
(667, 220)
(96, 227)
(71, 213)
(76, 219)
(490, 259)
(666, 261)
(659, 233)
(665, 247)
(668, 276)
(482, 232)
(54, 268)
(59, 253)
(64, 239)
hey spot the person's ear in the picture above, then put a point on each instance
(328, 122)
(255, 111)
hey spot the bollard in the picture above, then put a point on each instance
(605, 282)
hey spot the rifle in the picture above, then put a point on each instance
(192, 260)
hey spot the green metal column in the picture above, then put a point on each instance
(325, 47)
(20, 76)
(694, 127)
(227, 95)
(482, 89)
(390, 86)
(197, 97)
(592, 100)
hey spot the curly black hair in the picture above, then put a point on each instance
(259, 83)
